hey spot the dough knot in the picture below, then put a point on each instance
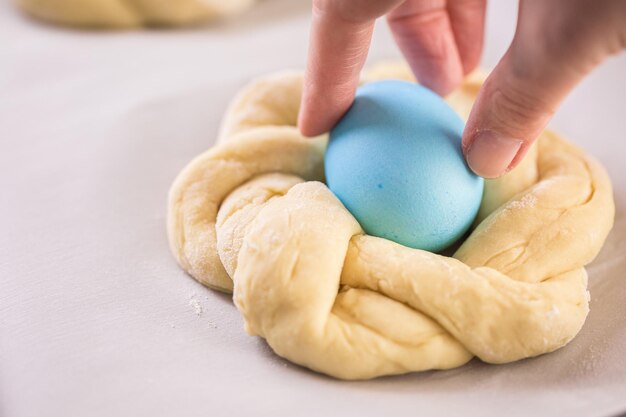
(252, 215)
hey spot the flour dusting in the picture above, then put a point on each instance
(195, 304)
(553, 312)
(527, 201)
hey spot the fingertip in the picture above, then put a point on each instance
(442, 84)
(307, 128)
(491, 155)
(308, 119)
(303, 126)
(470, 63)
(314, 124)
(321, 109)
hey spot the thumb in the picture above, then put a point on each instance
(507, 117)
(544, 62)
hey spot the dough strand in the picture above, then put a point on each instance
(131, 13)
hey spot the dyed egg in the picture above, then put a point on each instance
(394, 160)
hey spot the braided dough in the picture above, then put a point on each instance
(252, 215)
(131, 13)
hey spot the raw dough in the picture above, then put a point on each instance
(131, 13)
(253, 211)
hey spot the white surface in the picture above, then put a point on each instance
(96, 319)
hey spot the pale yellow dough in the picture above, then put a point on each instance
(131, 13)
(252, 215)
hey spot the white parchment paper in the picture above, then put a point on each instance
(96, 319)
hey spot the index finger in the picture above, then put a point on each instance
(341, 32)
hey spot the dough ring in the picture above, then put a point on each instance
(252, 215)
(131, 13)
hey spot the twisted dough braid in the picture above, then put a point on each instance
(131, 13)
(252, 215)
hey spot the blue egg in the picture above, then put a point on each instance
(394, 160)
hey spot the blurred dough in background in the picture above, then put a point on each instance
(131, 13)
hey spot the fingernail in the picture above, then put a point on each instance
(490, 155)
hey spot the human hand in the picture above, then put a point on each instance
(557, 42)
